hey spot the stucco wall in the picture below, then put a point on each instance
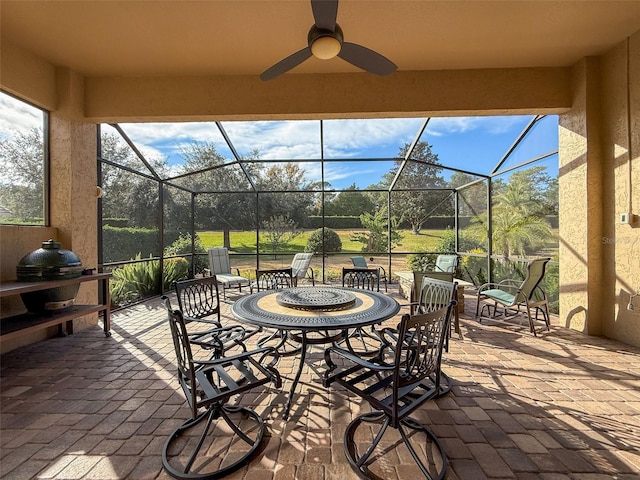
(599, 181)
(621, 175)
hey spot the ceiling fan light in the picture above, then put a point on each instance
(325, 48)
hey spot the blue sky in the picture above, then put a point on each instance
(469, 143)
(475, 144)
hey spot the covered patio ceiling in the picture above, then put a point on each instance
(175, 38)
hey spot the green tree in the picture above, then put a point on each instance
(126, 194)
(518, 221)
(350, 202)
(324, 240)
(207, 173)
(423, 171)
(472, 199)
(290, 178)
(22, 183)
(376, 238)
(279, 232)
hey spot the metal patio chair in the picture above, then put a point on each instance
(199, 301)
(516, 297)
(360, 262)
(277, 279)
(231, 435)
(366, 278)
(400, 378)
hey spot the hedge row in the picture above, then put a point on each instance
(122, 244)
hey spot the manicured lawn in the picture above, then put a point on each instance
(244, 242)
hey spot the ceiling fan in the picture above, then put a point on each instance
(325, 41)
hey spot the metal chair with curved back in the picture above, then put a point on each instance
(360, 262)
(365, 278)
(232, 434)
(415, 293)
(199, 301)
(365, 339)
(273, 279)
(514, 295)
(400, 378)
(277, 279)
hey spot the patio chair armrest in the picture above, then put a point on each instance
(510, 282)
(357, 359)
(238, 271)
(249, 354)
(383, 272)
(487, 286)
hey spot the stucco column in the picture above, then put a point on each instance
(581, 208)
(73, 178)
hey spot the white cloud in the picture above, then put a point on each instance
(17, 116)
(455, 125)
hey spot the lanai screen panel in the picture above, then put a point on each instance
(472, 144)
(179, 144)
(275, 140)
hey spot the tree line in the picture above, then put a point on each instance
(226, 199)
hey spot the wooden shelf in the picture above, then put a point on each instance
(30, 321)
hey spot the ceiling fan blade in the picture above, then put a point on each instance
(325, 13)
(286, 64)
(366, 59)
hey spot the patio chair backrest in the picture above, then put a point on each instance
(535, 273)
(434, 294)
(359, 261)
(274, 279)
(418, 355)
(198, 297)
(447, 263)
(219, 260)
(184, 356)
(300, 264)
(363, 278)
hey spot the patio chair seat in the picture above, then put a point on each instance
(500, 296)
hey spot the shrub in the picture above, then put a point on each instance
(330, 239)
(182, 246)
(422, 262)
(447, 243)
(475, 268)
(134, 281)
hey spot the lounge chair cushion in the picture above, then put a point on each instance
(501, 296)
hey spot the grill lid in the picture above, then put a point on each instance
(49, 263)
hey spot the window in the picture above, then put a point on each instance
(23, 162)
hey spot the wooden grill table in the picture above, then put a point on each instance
(320, 310)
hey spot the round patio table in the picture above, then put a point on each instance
(318, 309)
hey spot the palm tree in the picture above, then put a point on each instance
(518, 223)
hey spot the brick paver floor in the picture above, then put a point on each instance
(559, 406)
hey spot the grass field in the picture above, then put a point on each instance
(244, 242)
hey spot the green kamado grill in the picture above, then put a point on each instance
(51, 262)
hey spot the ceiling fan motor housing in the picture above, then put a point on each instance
(325, 44)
